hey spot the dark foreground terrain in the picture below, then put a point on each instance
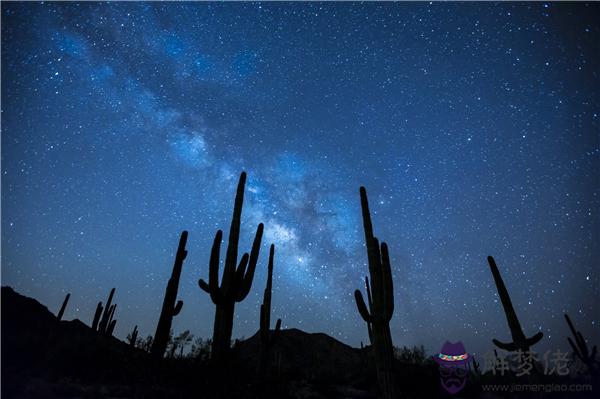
(46, 358)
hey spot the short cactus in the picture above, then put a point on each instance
(170, 308)
(236, 281)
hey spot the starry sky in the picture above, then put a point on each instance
(474, 127)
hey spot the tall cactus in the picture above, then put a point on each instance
(170, 308)
(381, 304)
(580, 348)
(267, 337)
(236, 282)
(520, 342)
(61, 312)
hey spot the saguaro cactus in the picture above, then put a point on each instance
(105, 325)
(63, 307)
(580, 348)
(520, 342)
(267, 337)
(381, 303)
(105, 320)
(170, 309)
(236, 282)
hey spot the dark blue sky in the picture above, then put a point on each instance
(474, 127)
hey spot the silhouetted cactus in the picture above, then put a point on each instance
(381, 304)
(236, 282)
(111, 328)
(169, 308)
(267, 337)
(133, 337)
(61, 312)
(105, 320)
(97, 315)
(580, 348)
(370, 302)
(520, 342)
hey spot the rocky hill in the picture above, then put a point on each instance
(46, 358)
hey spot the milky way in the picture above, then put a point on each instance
(474, 128)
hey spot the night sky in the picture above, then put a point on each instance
(474, 127)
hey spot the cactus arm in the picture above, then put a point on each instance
(240, 271)
(204, 286)
(534, 339)
(575, 349)
(375, 271)
(370, 303)
(582, 344)
(106, 315)
(509, 347)
(63, 307)
(244, 289)
(112, 312)
(570, 323)
(388, 284)
(97, 315)
(362, 308)
(213, 270)
(177, 308)
(369, 297)
(111, 328)
(278, 325)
